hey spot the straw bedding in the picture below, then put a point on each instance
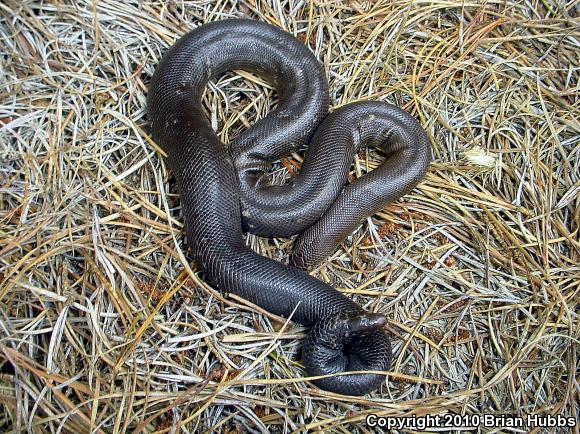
(106, 327)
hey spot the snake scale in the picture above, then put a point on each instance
(225, 189)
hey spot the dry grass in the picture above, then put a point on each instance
(104, 326)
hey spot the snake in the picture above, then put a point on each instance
(226, 190)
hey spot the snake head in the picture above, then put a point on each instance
(348, 342)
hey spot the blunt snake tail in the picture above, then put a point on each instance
(225, 189)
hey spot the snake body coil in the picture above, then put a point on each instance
(224, 188)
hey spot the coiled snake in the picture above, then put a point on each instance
(225, 189)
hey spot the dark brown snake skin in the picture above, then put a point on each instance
(223, 188)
